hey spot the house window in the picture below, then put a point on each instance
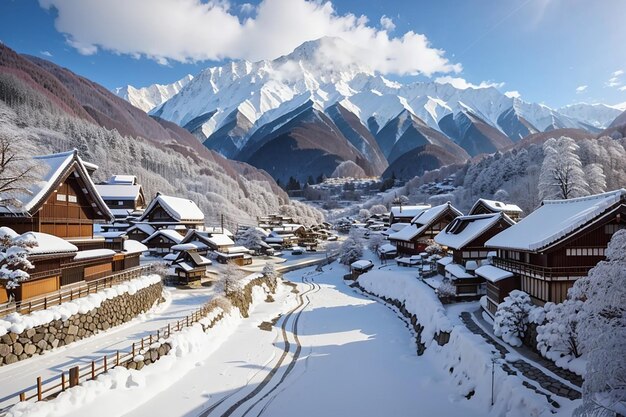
(72, 198)
(466, 254)
(61, 197)
(120, 203)
(584, 252)
(610, 229)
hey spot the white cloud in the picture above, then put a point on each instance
(247, 8)
(613, 82)
(462, 84)
(618, 73)
(581, 88)
(387, 23)
(46, 53)
(623, 88)
(513, 94)
(192, 30)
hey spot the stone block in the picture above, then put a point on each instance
(72, 330)
(18, 348)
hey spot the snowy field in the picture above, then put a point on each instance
(23, 374)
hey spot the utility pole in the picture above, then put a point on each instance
(493, 370)
(222, 222)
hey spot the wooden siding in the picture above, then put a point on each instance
(98, 271)
(31, 289)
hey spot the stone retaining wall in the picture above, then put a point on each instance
(441, 338)
(121, 309)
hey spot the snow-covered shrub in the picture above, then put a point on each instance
(376, 241)
(558, 336)
(511, 320)
(378, 209)
(433, 248)
(446, 290)
(269, 270)
(351, 249)
(231, 280)
(603, 332)
(364, 214)
(14, 257)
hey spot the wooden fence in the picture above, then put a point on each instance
(73, 292)
(76, 375)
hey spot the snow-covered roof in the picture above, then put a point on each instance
(144, 227)
(236, 249)
(181, 209)
(408, 211)
(407, 233)
(93, 253)
(492, 273)
(445, 261)
(170, 234)
(122, 179)
(133, 246)
(274, 239)
(219, 229)
(111, 235)
(220, 240)
(387, 248)
(119, 191)
(458, 271)
(195, 245)
(497, 206)
(361, 264)
(427, 216)
(464, 229)
(54, 168)
(554, 220)
(50, 244)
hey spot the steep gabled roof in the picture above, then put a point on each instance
(55, 169)
(408, 211)
(496, 206)
(180, 209)
(423, 221)
(119, 191)
(170, 234)
(555, 220)
(465, 229)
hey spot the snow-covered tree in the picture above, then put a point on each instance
(433, 248)
(379, 209)
(558, 336)
(511, 319)
(364, 214)
(351, 249)
(596, 180)
(446, 289)
(501, 195)
(562, 174)
(251, 238)
(269, 270)
(603, 332)
(14, 257)
(231, 279)
(376, 240)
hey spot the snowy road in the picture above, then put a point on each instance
(350, 356)
(23, 375)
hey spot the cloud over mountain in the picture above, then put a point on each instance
(190, 30)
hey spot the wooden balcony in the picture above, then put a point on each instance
(565, 273)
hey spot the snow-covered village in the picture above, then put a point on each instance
(312, 208)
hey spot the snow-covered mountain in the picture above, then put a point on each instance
(147, 98)
(240, 108)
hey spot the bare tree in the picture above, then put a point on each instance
(17, 171)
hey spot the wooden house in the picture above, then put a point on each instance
(547, 251)
(413, 239)
(123, 195)
(140, 231)
(465, 239)
(404, 214)
(208, 241)
(166, 212)
(162, 240)
(484, 206)
(64, 202)
(235, 254)
(190, 266)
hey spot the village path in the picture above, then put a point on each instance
(352, 356)
(23, 375)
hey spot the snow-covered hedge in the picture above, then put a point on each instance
(511, 320)
(17, 323)
(417, 297)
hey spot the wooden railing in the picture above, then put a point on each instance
(76, 375)
(542, 272)
(73, 291)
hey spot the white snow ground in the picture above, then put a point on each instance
(178, 304)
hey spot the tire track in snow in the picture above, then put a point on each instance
(272, 371)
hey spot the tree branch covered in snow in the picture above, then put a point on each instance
(14, 257)
(511, 319)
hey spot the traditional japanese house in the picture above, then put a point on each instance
(140, 232)
(465, 239)
(162, 240)
(166, 212)
(63, 203)
(123, 195)
(404, 214)
(484, 206)
(206, 241)
(190, 266)
(235, 254)
(547, 251)
(414, 239)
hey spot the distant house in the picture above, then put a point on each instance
(465, 238)
(548, 250)
(413, 239)
(140, 231)
(190, 266)
(484, 206)
(404, 214)
(162, 241)
(123, 195)
(235, 254)
(168, 212)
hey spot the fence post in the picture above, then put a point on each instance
(74, 376)
(158, 335)
(45, 303)
(117, 358)
(38, 388)
(93, 369)
(62, 381)
(169, 330)
(22, 396)
(105, 363)
(150, 338)
(142, 343)
(133, 350)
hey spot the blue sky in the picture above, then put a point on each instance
(552, 51)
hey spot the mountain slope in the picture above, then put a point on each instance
(147, 98)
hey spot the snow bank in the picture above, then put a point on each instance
(189, 346)
(418, 298)
(17, 323)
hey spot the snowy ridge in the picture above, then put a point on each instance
(147, 98)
